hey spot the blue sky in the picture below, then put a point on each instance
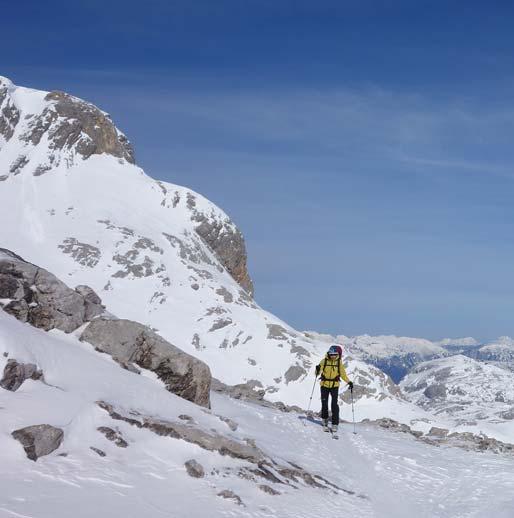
(364, 148)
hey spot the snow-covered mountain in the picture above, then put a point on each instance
(499, 352)
(156, 253)
(472, 393)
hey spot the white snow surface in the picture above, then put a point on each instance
(381, 474)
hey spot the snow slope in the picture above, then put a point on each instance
(377, 473)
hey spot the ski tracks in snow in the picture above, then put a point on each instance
(439, 482)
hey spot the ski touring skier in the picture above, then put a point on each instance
(332, 370)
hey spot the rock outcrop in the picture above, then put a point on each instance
(36, 296)
(39, 440)
(132, 343)
(259, 467)
(229, 246)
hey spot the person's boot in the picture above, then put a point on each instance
(325, 425)
(334, 428)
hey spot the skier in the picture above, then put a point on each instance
(332, 371)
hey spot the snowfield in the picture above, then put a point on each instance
(377, 473)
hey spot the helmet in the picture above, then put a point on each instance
(335, 349)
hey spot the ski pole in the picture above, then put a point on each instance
(353, 410)
(312, 393)
(310, 400)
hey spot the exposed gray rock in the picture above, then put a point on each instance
(229, 422)
(245, 391)
(263, 467)
(94, 307)
(16, 373)
(438, 432)
(227, 243)
(39, 440)
(42, 169)
(277, 332)
(18, 164)
(98, 451)
(440, 436)
(40, 298)
(230, 495)
(145, 243)
(391, 424)
(72, 124)
(113, 436)
(268, 489)
(82, 253)
(436, 391)
(220, 323)
(89, 294)
(132, 265)
(211, 441)
(227, 296)
(186, 418)
(130, 342)
(194, 469)
(9, 114)
(196, 341)
(195, 254)
(294, 373)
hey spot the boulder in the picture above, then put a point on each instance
(130, 342)
(39, 440)
(16, 373)
(194, 469)
(38, 297)
(230, 495)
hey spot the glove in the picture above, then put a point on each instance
(350, 384)
(317, 371)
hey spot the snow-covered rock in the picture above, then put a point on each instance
(133, 343)
(35, 295)
(39, 440)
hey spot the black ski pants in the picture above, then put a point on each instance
(334, 394)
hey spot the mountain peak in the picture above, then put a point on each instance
(41, 131)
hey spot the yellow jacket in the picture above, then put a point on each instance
(331, 372)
